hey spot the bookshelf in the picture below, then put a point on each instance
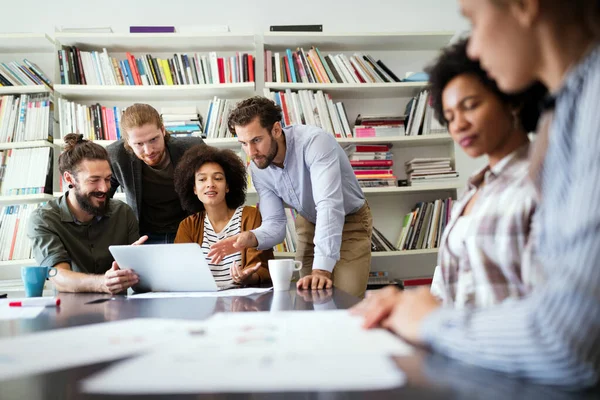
(37, 48)
(402, 52)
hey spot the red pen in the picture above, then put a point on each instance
(35, 302)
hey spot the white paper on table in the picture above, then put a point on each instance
(302, 332)
(222, 293)
(7, 312)
(182, 371)
(264, 352)
(65, 348)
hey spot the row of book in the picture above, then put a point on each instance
(312, 66)
(25, 117)
(22, 74)
(422, 228)
(217, 116)
(99, 68)
(26, 171)
(14, 243)
(95, 122)
(426, 171)
(182, 121)
(380, 243)
(420, 119)
(372, 164)
(384, 125)
(312, 108)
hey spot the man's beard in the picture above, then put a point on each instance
(270, 156)
(85, 202)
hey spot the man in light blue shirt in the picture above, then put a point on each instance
(305, 168)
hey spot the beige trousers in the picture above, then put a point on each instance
(351, 272)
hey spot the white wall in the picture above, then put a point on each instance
(245, 16)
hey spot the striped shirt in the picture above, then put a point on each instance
(221, 271)
(483, 257)
(553, 335)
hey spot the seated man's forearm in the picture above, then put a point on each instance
(70, 281)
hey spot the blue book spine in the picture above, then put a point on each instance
(291, 64)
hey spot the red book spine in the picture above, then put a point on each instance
(134, 70)
(250, 68)
(104, 124)
(221, 67)
(417, 282)
(372, 148)
(372, 163)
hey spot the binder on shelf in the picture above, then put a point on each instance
(296, 28)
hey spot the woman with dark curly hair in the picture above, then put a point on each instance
(212, 184)
(485, 253)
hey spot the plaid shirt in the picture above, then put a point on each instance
(493, 260)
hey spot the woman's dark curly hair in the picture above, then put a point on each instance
(454, 62)
(190, 163)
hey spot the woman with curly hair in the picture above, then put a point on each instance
(211, 183)
(486, 253)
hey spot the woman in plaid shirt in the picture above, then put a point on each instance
(485, 253)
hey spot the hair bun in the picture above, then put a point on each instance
(73, 139)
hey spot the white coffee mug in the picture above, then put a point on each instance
(281, 272)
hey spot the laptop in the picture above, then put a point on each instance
(178, 267)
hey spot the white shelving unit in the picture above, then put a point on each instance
(25, 43)
(108, 93)
(23, 145)
(29, 89)
(39, 49)
(25, 198)
(355, 90)
(402, 52)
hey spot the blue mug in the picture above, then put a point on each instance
(34, 279)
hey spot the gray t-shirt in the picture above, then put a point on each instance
(56, 236)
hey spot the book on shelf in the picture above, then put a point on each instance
(427, 171)
(379, 279)
(420, 118)
(83, 29)
(26, 171)
(94, 122)
(79, 67)
(182, 121)
(380, 243)
(422, 228)
(296, 28)
(379, 126)
(14, 243)
(412, 283)
(22, 74)
(217, 115)
(313, 66)
(312, 108)
(26, 117)
(151, 29)
(372, 164)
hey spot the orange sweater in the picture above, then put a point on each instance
(191, 230)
